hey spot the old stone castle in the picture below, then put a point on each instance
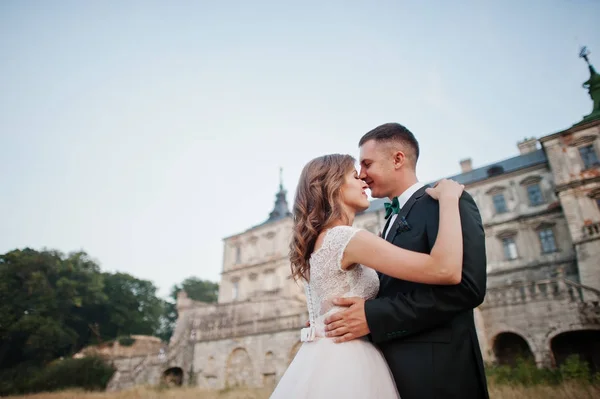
(541, 211)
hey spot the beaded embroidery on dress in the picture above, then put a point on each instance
(322, 368)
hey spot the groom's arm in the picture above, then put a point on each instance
(427, 305)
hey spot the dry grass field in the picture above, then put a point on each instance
(564, 391)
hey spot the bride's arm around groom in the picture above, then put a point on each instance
(425, 306)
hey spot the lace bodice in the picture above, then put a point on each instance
(329, 281)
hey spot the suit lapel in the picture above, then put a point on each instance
(404, 212)
(387, 223)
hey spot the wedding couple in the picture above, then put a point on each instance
(389, 316)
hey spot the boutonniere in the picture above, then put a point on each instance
(403, 226)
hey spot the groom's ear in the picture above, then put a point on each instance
(399, 159)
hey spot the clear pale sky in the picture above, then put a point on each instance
(144, 132)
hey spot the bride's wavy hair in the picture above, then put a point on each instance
(316, 206)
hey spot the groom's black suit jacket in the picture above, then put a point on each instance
(427, 332)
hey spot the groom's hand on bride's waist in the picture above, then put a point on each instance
(347, 324)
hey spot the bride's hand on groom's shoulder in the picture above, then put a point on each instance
(445, 188)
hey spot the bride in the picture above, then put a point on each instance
(334, 259)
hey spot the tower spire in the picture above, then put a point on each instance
(280, 178)
(281, 209)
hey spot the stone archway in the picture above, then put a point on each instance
(239, 372)
(584, 343)
(173, 377)
(509, 347)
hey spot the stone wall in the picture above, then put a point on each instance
(142, 346)
(252, 360)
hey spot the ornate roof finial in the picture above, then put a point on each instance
(583, 53)
(593, 87)
(280, 178)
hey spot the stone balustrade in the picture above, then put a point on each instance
(262, 326)
(559, 289)
(591, 231)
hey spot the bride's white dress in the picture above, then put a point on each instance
(322, 368)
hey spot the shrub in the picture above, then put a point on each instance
(88, 373)
(126, 341)
(16, 380)
(575, 369)
(526, 373)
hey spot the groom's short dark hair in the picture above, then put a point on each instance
(393, 132)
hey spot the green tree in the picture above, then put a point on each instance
(197, 289)
(47, 302)
(52, 305)
(132, 306)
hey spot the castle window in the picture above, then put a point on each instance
(499, 203)
(589, 156)
(547, 240)
(510, 248)
(235, 292)
(534, 193)
(270, 235)
(238, 254)
(269, 280)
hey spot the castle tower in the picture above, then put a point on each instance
(574, 156)
(256, 261)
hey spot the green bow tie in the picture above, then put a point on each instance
(392, 208)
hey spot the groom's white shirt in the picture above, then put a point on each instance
(402, 199)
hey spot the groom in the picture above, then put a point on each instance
(426, 332)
